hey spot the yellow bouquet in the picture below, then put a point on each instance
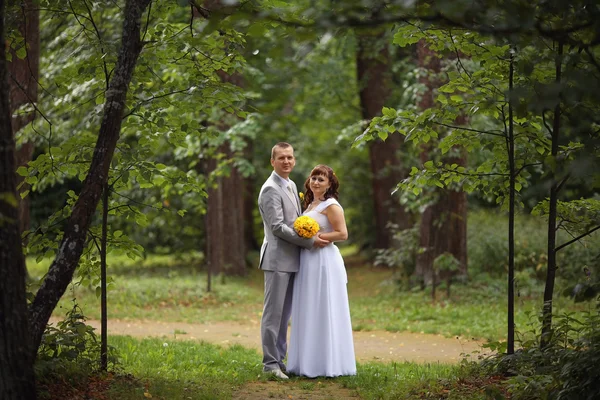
(306, 226)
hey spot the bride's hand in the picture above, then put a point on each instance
(320, 242)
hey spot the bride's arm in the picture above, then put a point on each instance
(335, 215)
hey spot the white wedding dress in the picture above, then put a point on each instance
(321, 341)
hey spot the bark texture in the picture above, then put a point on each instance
(443, 226)
(16, 359)
(547, 331)
(227, 225)
(23, 82)
(373, 63)
(61, 271)
(225, 240)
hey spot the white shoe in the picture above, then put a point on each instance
(277, 373)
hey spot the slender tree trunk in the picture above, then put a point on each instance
(373, 63)
(103, 307)
(62, 268)
(23, 82)
(510, 339)
(16, 360)
(554, 189)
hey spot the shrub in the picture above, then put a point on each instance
(565, 369)
(70, 348)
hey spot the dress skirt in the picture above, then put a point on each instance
(321, 342)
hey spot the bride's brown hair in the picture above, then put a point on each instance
(334, 184)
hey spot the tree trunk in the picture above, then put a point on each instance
(225, 239)
(251, 243)
(62, 268)
(373, 63)
(510, 339)
(103, 281)
(553, 200)
(16, 361)
(443, 226)
(226, 208)
(23, 82)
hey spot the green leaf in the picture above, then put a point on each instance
(22, 171)
(382, 134)
(388, 112)
(22, 52)
(257, 30)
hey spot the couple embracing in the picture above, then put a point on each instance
(305, 278)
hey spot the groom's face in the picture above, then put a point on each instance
(284, 161)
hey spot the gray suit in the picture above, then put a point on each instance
(280, 260)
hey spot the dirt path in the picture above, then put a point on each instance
(369, 346)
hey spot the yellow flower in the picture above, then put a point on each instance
(306, 226)
(301, 195)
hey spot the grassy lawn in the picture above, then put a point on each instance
(169, 289)
(165, 369)
(174, 288)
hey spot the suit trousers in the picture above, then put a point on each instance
(277, 310)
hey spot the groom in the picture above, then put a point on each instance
(279, 207)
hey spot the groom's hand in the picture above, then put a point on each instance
(319, 243)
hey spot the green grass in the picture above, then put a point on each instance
(174, 288)
(475, 310)
(182, 369)
(185, 369)
(166, 289)
(174, 369)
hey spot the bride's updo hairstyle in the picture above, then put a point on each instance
(334, 184)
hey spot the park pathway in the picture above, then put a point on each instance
(380, 346)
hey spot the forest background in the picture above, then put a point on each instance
(145, 128)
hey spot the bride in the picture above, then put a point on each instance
(321, 341)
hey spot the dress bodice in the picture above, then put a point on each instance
(322, 220)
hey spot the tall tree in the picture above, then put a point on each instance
(557, 183)
(23, 81)
(443, 226)
(16, 357)
(225, 215)
(72, 244)
(373, 64)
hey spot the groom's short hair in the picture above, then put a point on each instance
(280, 145)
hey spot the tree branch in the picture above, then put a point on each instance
(576, 239)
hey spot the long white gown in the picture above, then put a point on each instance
(321, 341)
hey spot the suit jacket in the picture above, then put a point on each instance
(280, 250)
